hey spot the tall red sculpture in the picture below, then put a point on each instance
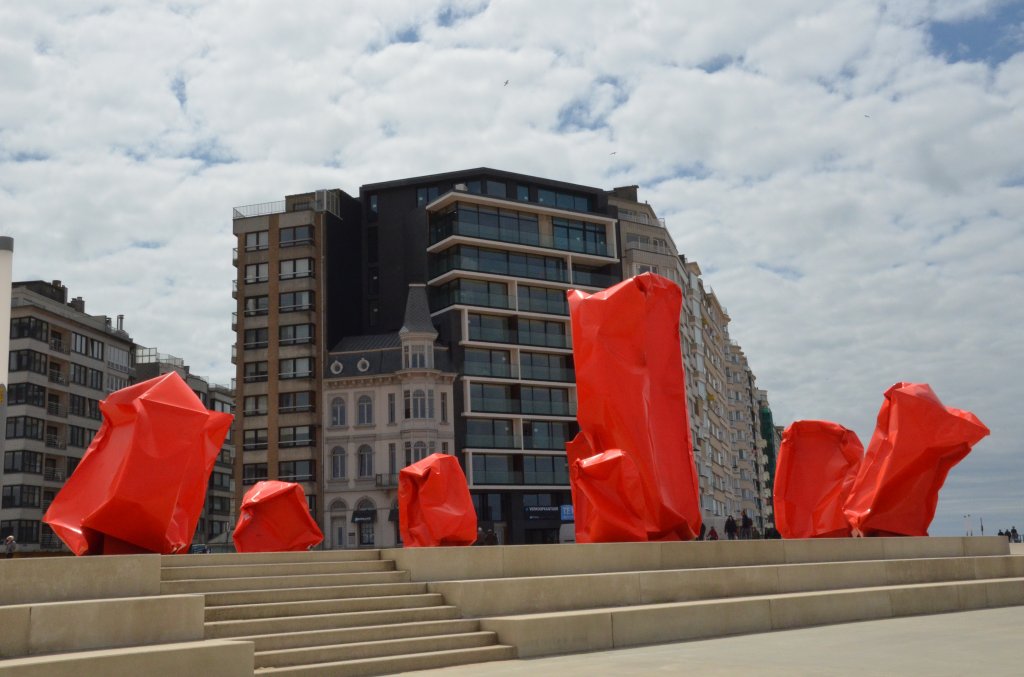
(141, 484)
(274, 517)
(817, 464)
(917, 441)
(434, 504)
(631, 391)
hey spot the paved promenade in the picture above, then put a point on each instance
(986, 642)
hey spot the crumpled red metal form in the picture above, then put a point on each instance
(917, 440)
(141, 484)
(609, 479)
(274, 517)
(817, 464)
(434, 505)
(631, 391)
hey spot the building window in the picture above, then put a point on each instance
(30, 327)
(257, 241)
(338, 411)
(289, 269)
(27, 360)
(415, 404)
(79, 343)
(254, 472)
(295, 367)
(297, 235)
(295, 436)
(425, 196)
(24, 531)
(391, 407)
(373, 207)
(365, 407)
(295, 334)
(256, 305)
(255, 372)
(24, 461)
(254, 405)
(296, 300)
(20, 496)
(415, 356)
(523, 193)
(444, 407)
(339, 463)
(293, 402)
(25, 427)
(254, 440)
(392, 460)
(256, 338)
(365, 461)
(296, 471)
(256, 272)
(496, 189)
(27, 393)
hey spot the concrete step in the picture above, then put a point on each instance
(210, 657)
(600, 629)
(538, 594)
(314, 593)
(329, 606)
(357, 650)
(268, 557)
(273, 582)
(181, 573)
(266, 626)
(369, 633)
(387, 665)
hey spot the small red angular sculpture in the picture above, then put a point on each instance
(434, 505)
(631, 391)
(141, 484)
(609, 479)
(917, 441)
(274, 517)
(817, 464)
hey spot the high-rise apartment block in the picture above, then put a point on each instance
(63, 361)
(429, 314)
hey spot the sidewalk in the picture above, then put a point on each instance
(986, 642)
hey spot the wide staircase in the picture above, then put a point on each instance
(396, 610)
(329, 613)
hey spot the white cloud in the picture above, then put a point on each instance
(855, 197)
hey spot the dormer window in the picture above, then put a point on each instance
(415, 356)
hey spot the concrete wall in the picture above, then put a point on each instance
(58, 579)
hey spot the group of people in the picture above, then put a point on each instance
(734, 530)
(1011, 535)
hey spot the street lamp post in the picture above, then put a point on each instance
(967, 525)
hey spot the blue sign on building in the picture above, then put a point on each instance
(567, 514)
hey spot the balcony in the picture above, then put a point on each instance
(483, 441)
(234, 321)
(55, 409)
(589, 279)
(56, 442)
(498, 477)
(549, 408)
(59, 378)
(387, 480)
(491, 335)
(261, 209)
(54, 475)
(538, 338)
(488, 369)
(544, 443)
(535, 373)
(560, 307)
(59, 346)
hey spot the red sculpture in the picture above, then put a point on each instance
(274, 517)
(917, 441)
(434, 505)
(141, 484)
(817, 464)
(631, 391)
(611, 480)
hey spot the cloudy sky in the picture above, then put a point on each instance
(848, 173)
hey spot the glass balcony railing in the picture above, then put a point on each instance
(537, 338)
(545, 443)
(495, 405)
(488, 369)
(548, 408)
(491, 335)
(559, 307)
(498, 477)
(534, 373)
(484, 441)
(589, 279)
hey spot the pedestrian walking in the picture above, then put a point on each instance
(10, 545)
(730, 528)
(746, 526)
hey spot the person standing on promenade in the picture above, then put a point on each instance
(10, 545)
(746, 526)
(712, 535)
(730, 528)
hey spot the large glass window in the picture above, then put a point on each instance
(27, 393)
(254, 440)
(27, 427)
(295, 367)
(544, 367)
(256, 305)
(27, 360)
(490, 328)
(546, 401)
(293, 402)
(542, 300)
(580, 236)
(254, 472)
(29, 327)
(465, 257)
(23, 461)
(425, 196)
(255, 372)
(488, 397)
(415, 451)
(487, 433)
(294, 334)
(256, 338)
(419, 403)
(488, 223)
(254, 405)
(495, 469)
(295, 436)
(484, 362)
(548, 434)
(21, 496)
(549, 333)
(471, 292)
(256, 272)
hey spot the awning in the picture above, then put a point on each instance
(362, 516)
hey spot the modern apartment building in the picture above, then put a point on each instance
(292, 256)
(219, 510)
(63, 361)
